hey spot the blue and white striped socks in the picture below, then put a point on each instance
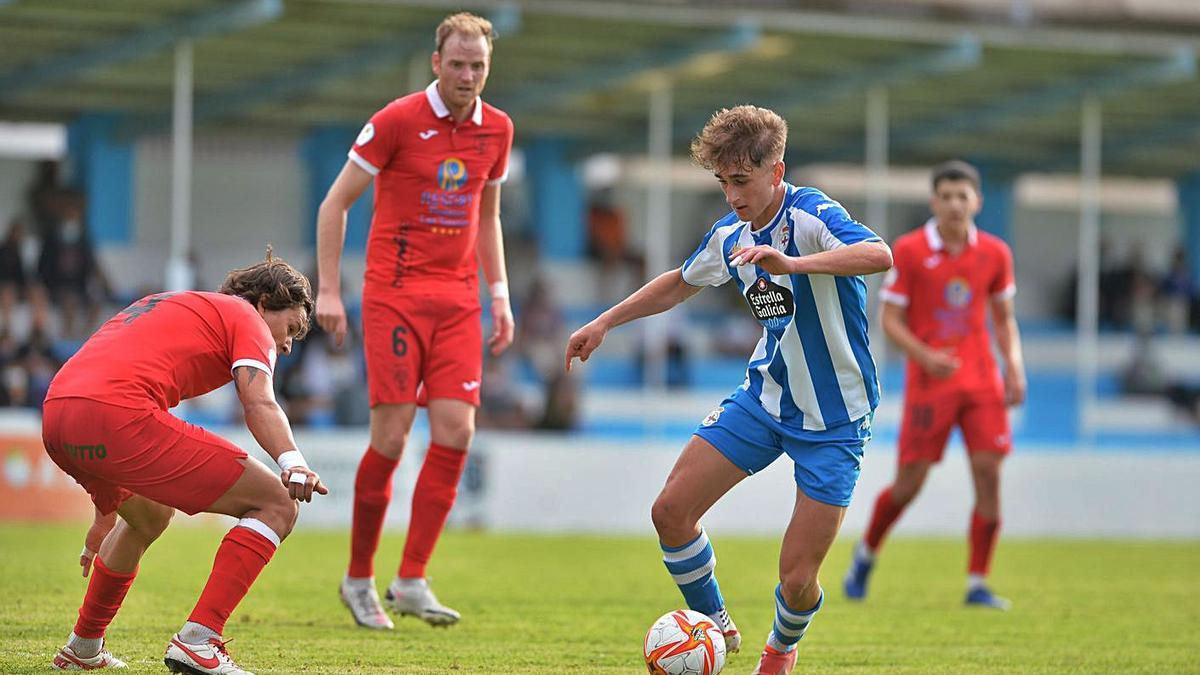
(691, 566)
(790, 624)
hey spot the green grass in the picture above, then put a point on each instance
(581, 604)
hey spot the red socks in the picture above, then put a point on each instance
(372, 493)
(242, 555)
(106, 590)
(437, 487)
(983, 542)
(882, 518)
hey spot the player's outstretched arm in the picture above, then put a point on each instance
(269, 426)
(660, 294)
(331, 235)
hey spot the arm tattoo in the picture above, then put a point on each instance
(253, 373)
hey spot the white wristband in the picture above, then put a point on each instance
(290, 460)
(500, 290)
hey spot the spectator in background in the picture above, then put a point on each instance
(16, 283)
(542, 328)
(502, 406)
(561, 411)
(12, 375)
(322, 380)
(1141, 303)
(37, 360)
(608, 243)
(68, 269)
(42, 196)
(1177, 293)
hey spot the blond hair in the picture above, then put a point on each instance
(273, 282)
(467, 25)
(742, 137)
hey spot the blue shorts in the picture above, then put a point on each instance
(827, 462)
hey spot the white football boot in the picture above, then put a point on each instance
(207, 658)
(413, 597)
(67, 659)
(363, 602)
(733, 637)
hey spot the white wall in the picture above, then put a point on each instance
(549, 483)
(555, 483)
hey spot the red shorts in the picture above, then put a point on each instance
(115, 452)
(928, 421)
(412, 339)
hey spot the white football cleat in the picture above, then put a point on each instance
(363, 603)
(208, 658)
(413, 597)
(733, 638)
(67, 659)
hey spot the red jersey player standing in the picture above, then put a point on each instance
(935, 300)
(106, 423)
(438, 158)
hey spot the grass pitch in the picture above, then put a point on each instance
(535, 604)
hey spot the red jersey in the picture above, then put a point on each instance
(946, 298)
(429, 174)
(165, 348)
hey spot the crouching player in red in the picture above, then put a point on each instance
(106, 423)
(947, 276)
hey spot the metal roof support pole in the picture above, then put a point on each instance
(1087, 317)
(658, 226)
(877, 196)
(179, 273)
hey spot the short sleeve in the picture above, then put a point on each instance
(375, 145)
(897, 283)
(250, 342)
(830, 223)
(499, 172)
(1004, 285)
(707, 265)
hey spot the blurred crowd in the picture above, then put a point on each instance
(52, 288)
(1135, 296)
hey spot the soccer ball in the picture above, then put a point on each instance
(684, 642)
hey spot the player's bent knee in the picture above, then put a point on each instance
(797, 583)
(148, 519)
(280, 513)
(670, 518)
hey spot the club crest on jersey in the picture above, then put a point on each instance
(785, 234)
(365, 136)
(772, 304)
(958, 292)
(713, 416)
(452, 174)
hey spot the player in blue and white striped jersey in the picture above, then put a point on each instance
(810, 389)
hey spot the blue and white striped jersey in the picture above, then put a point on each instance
(812, 369)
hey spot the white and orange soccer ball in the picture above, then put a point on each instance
(684, 642)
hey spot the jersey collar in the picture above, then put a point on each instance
(935, 239)
(440, 109)
(764, 235)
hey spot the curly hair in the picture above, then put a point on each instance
(741, 137)
(465, 24)
(274, 283)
